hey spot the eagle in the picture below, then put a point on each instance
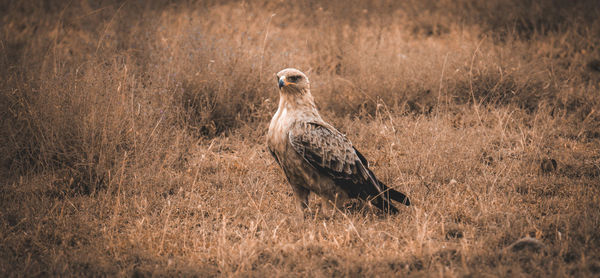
(316, 157)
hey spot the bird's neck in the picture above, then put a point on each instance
(298, 101)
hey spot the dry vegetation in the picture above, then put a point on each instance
(132, 137)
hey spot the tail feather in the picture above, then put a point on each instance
(395, 195)
(385, 205)
(389, 193)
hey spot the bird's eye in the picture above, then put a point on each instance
(293, 79)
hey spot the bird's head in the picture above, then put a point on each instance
(292, 81)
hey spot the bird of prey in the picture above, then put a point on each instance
(316, 157)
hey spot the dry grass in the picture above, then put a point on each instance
(133, 137)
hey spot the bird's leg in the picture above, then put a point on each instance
(332, 203)
(301, 194)
(327, 207)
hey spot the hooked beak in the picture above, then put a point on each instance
(282, 82)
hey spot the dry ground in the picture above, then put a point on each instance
(133, 137)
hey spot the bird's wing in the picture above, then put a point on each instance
(329, 151)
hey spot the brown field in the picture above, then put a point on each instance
(133, 137)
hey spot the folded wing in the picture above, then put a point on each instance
(331, 153)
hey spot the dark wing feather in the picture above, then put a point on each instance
(327, 150)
